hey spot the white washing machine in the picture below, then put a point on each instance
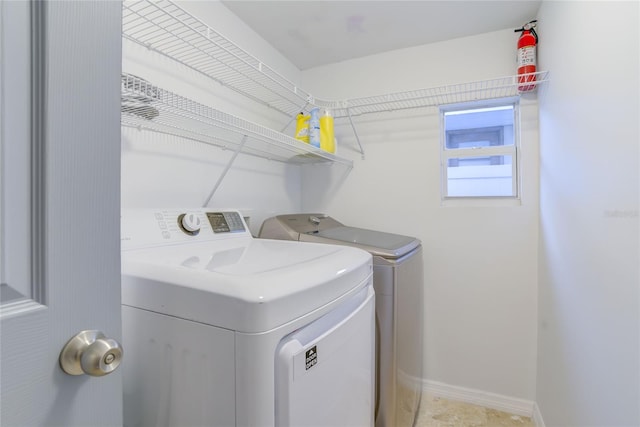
(221, 329)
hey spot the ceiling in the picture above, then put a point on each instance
(311, 33)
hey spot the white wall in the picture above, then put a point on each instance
(480, 261)
(166, 171)
(588, 359)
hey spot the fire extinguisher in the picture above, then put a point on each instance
(527, 56)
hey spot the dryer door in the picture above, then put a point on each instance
(325, 371)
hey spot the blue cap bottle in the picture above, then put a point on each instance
(314, 127)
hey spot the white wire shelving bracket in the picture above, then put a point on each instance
(224, 172)
(166, 28)
(145, 106)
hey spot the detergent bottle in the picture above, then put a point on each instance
(314, 127)
(302, 127)
(327, 139)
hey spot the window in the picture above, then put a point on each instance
(479, 150)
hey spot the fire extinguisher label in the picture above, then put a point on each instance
(526, 56)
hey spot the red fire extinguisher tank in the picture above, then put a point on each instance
(527, 44)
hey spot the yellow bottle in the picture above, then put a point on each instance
(302, 128)
(327, 141)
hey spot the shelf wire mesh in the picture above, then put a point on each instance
(166, 28)
(502, 87)
(145, 106)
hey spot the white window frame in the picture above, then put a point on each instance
(502, 150)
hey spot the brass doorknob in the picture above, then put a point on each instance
(91, 353)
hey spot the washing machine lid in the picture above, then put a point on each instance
(319, 227)
(234, 281)
(386, 245)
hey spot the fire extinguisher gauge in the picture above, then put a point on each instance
(529, 26)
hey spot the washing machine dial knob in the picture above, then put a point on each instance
(191, 223)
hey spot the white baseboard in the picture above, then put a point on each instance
(499, 402)
(537, 416)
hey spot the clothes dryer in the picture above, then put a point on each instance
(221, 329)
(398, 283)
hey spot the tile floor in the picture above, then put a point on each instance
(439, 412)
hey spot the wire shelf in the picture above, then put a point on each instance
(146, 106)
(502, 87)
(166, 28)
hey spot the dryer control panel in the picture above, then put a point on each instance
(151, 227)
(225, 222)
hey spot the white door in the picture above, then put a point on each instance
(60, 206)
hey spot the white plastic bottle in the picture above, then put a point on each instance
(314, 127)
